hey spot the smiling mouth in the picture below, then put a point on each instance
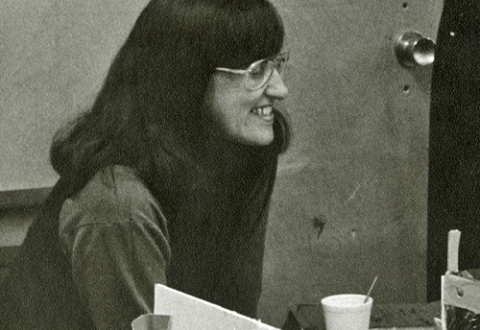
(263, 111)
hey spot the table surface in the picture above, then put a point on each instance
(414, 316)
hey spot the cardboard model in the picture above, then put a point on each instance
(175, 310)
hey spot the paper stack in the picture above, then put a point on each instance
(175, 310)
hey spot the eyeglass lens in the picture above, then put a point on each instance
(261, 72)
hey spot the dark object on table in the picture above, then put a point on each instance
(310, 317)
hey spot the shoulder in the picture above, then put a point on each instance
(113, 195)
(114, 213)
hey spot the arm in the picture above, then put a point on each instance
(119, 249)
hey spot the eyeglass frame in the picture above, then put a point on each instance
(248, 71)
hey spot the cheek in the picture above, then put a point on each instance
(220, 114)
(229, 118)
(229, 109)
(228, 104)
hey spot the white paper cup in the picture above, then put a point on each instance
(347, 312)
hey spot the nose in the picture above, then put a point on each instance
(275, 86)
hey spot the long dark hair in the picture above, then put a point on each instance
(148, 112)
(147, 117)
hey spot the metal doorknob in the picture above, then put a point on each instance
(413, 49)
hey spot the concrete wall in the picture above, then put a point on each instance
(351, 198)
(53, 58)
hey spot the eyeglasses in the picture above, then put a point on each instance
(259, 72)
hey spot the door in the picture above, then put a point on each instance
(350, 200)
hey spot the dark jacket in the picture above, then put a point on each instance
(90, 260)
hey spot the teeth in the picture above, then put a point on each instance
(263, 111)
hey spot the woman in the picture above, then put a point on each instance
(167, 178)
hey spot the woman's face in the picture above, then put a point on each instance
(243, 115)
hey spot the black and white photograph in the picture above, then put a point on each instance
(239, 164)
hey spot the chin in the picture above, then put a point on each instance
(260, 141)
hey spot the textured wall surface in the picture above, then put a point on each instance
(351, 197)
(53, 57)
